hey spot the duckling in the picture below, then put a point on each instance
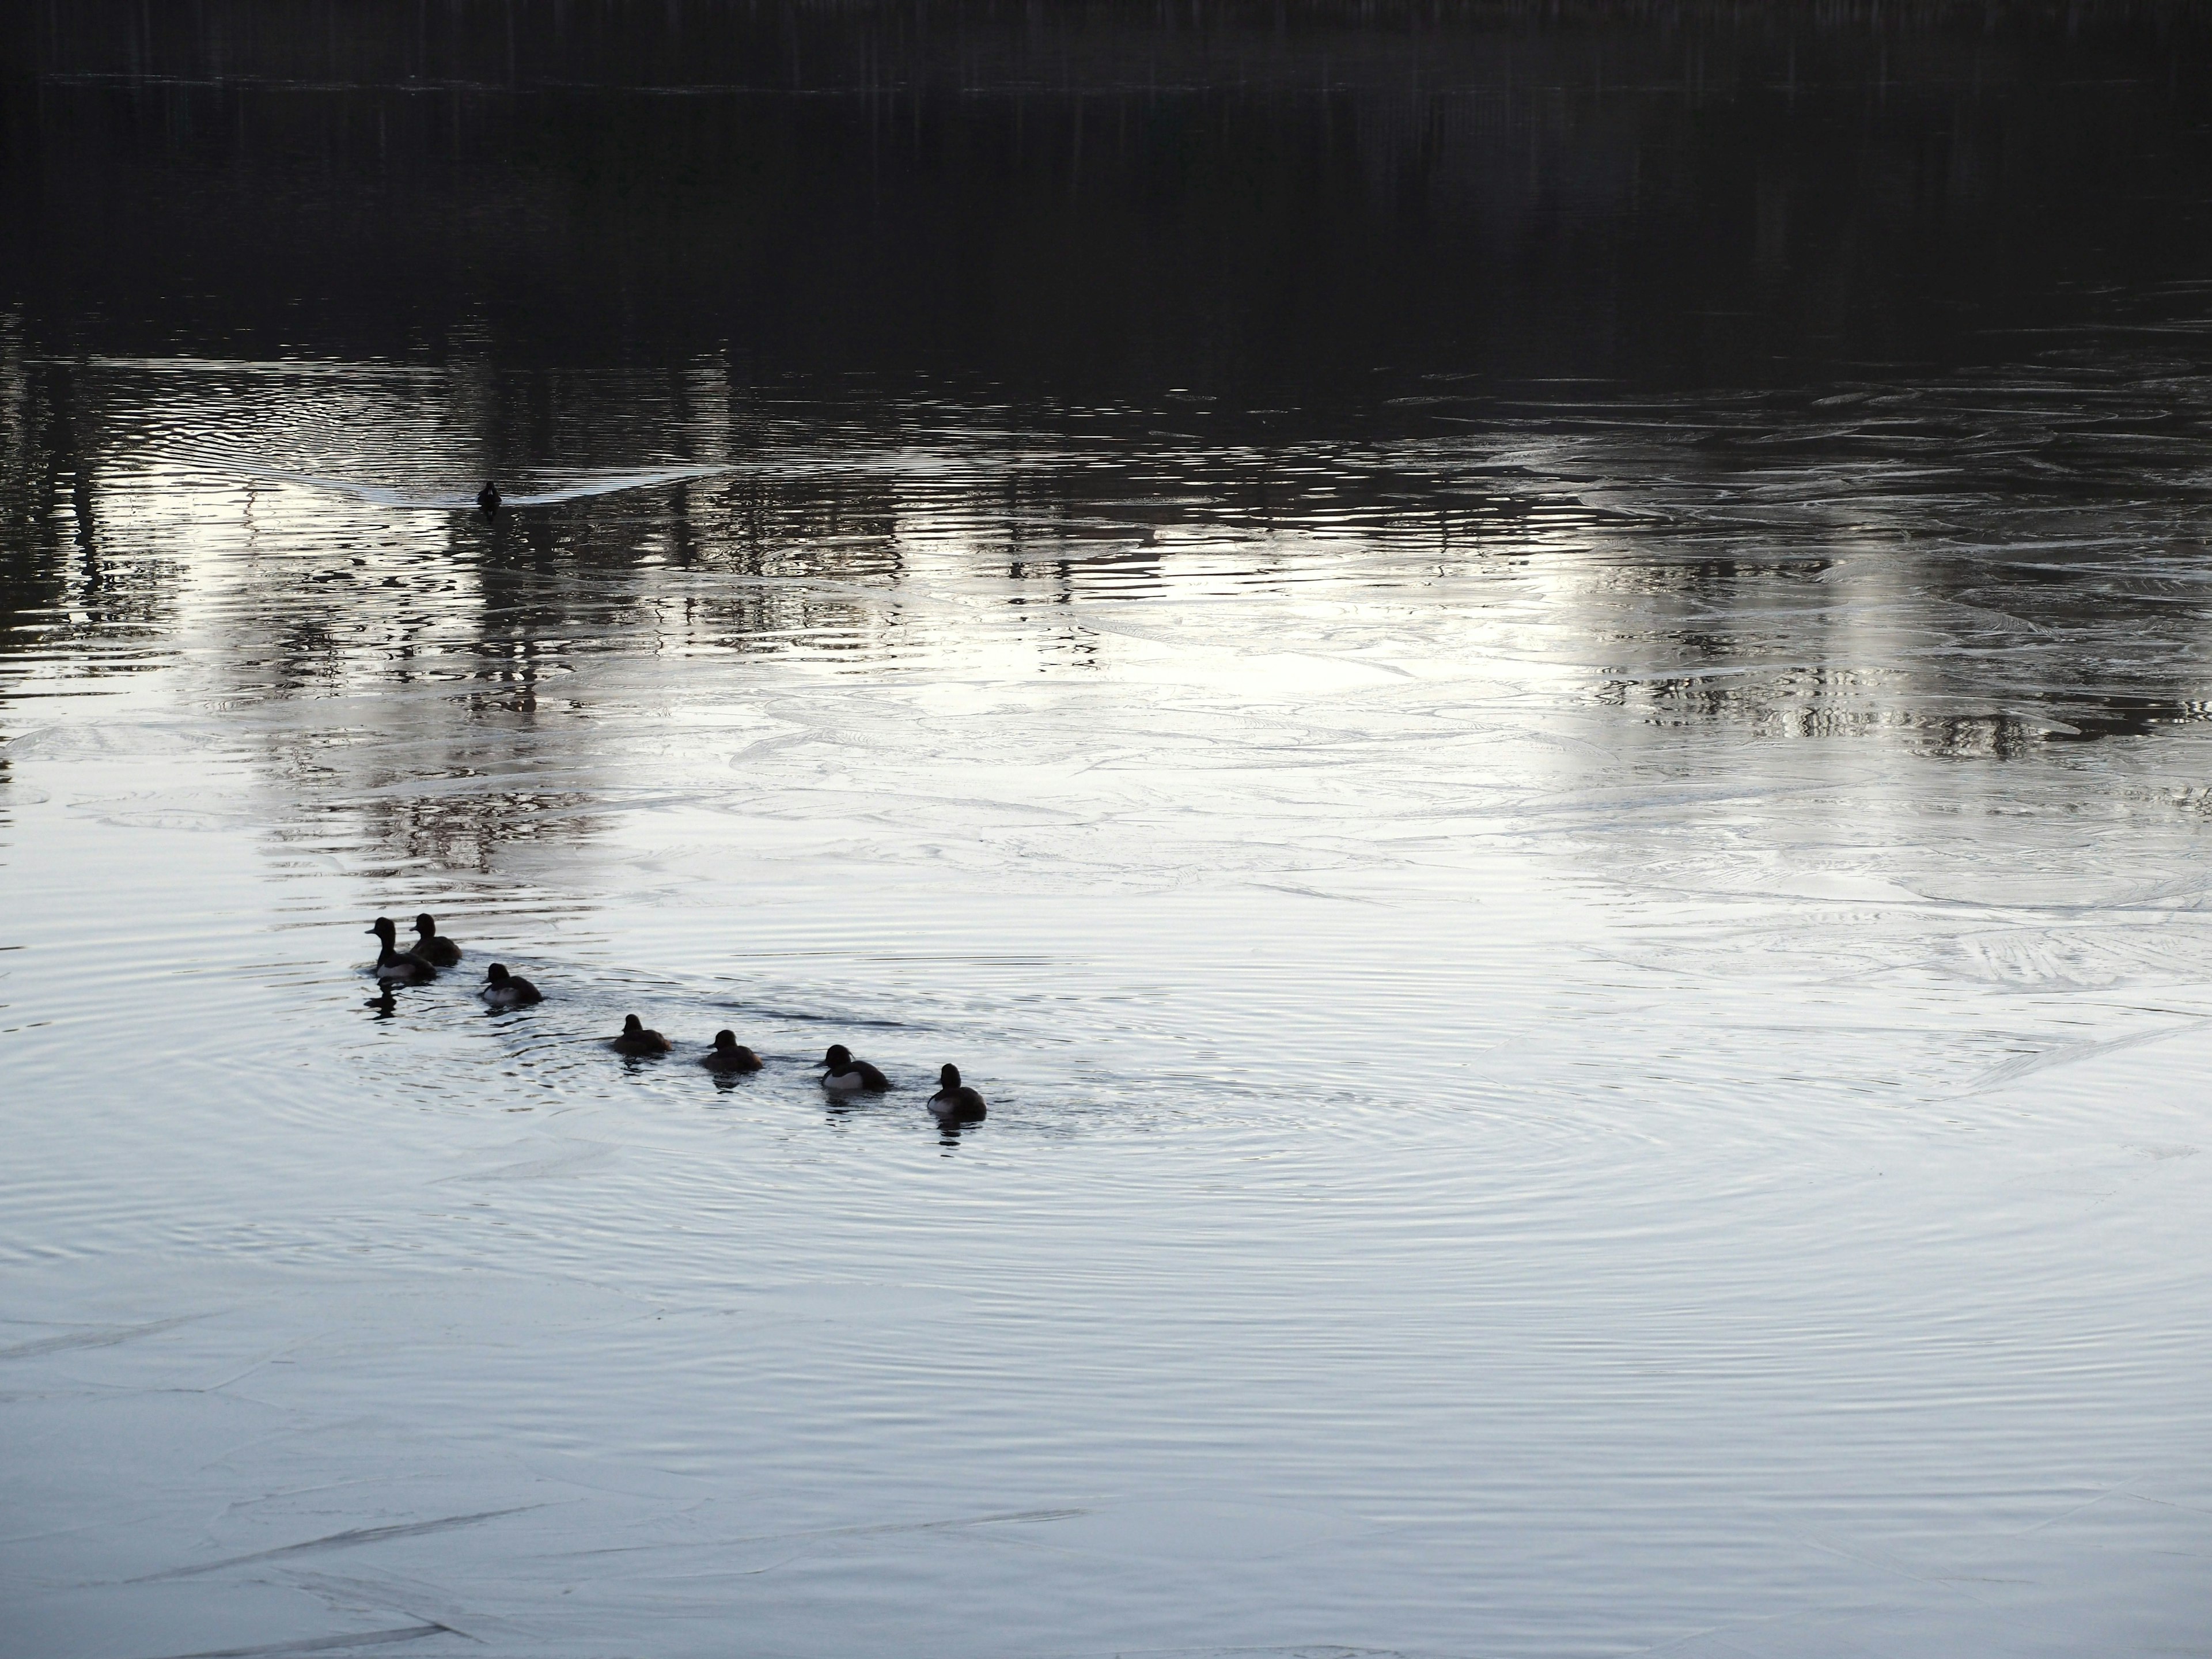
(954, 1101)
(394, 967)
(504, 990)
(846, 1075)
(637, 1040)
(428, 947)
(728, 1055)
(488, 498)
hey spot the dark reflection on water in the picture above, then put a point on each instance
(71, 606)
(1276, 200)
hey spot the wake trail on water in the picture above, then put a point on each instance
(603, 483)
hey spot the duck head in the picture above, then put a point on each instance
(496, 973)
(838, 1058)
(425, 926)
(384, 930)
(632, 1026)
(948, 1076)
(726, 1041)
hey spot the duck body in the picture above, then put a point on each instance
(637, 1040)
(430, 947)
(488, 498)
(395, 966)
(728, 1055)
(398, 968)
(504, 990)
(954, 1101)
(844, 1075)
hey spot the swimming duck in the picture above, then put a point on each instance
(488, 498)
(637, 1040)
(504, 990)
(955, 1099)
(438, 952)
(845, 1075)
(395, 967)
(728, 1055)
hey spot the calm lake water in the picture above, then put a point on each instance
(1529, 689)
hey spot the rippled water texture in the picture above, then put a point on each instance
(1591, 951)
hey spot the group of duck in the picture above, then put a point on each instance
(841, 1074)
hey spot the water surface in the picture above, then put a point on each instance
(1590, 951)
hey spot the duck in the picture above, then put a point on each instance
(488, 498)
(728, 1055)
(504, 990)
(635, 1039)
(438, 952)
(844, 1075)
(954, 1100)
(394, 966)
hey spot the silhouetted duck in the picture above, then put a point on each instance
(637, 1040)
(845, 1075)
(438, 952)
(488, 498)
(504, 990)
(728, 1055)
(394, 966)
(955, 1100)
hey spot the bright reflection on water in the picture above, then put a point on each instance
(1593, 994)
